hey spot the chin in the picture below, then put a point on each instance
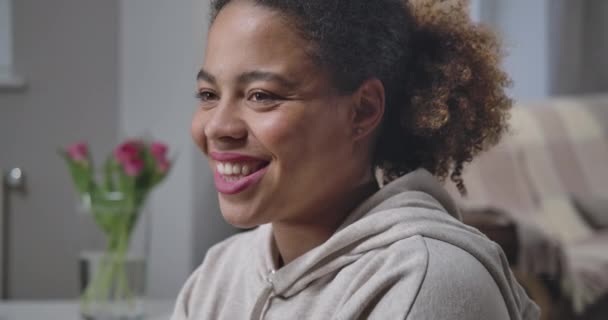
(241, 216)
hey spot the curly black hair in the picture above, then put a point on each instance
(445, 91)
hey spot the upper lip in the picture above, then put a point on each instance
(232, 156)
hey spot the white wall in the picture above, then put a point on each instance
(6, 36)
(523, 25)
(566, 47)
(555, 47)
(67, 50)
(161, 49)
(595, 39)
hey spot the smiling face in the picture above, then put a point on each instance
(277, 135)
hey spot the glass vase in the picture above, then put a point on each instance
(113, 279)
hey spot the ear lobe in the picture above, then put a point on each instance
(369, 108)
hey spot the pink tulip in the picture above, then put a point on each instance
(159, 151)
(138, 143)
(78, 152)
(163, 166)
(133, 166)
(127, 151)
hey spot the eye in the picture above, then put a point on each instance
(206, 95)
(260, 96)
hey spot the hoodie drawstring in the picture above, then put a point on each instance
(261, 304)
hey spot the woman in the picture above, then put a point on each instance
(301, 104)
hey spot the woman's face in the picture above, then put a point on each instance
(277, 136)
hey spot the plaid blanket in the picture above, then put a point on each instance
(556, 149)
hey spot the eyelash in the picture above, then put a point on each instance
(205, 96)
(266, 96)
(201, 95)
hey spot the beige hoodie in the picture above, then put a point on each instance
(403, 254)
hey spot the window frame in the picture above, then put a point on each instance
(8, 79)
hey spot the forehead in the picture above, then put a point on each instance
(249, 36)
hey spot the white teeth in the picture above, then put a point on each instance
(234, 169)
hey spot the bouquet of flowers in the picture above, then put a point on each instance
(114, 195)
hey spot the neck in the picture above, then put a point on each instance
(295, 238)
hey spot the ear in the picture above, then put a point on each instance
(368, 108)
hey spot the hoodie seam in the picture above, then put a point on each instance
(426, 268)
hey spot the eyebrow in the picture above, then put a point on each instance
(249, 77)
(205, 76)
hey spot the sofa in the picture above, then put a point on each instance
(542, 194)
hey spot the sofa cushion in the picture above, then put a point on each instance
(593, 208)
(586, 278)
(559, 217)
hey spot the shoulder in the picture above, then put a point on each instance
(225, 257)
(220, 262)
(422, 278)
(232, 247)
(456, 286)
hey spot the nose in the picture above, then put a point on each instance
(225, 126)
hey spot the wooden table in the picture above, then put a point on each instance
(68, 310)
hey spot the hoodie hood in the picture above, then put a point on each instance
(415, 204)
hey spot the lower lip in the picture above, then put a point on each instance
(234, 187)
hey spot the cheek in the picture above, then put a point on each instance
(197, 130)
(282, 134)
(301, 136)
(277, 131)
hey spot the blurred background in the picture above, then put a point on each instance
(102, 71)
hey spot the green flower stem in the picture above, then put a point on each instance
(122, 286)
(110, 282)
